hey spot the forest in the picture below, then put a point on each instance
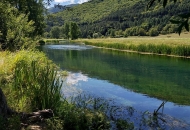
(105, 18)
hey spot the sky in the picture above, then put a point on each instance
(67, 2)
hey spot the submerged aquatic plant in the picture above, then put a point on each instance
(127, 117)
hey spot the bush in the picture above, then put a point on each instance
(41, 42)
(15, 28)
(153, 32)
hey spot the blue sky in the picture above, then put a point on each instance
(68, 2)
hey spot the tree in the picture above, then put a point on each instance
(74, 31)
(35, 10)
(182, 20)
(141, 32)
(153, 32)
(15, 28)
(112, 33)
(55, 32)
(21, 21)
(66, 30)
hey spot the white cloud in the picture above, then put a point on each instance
(60, 1)
(71, 1)
(82, 1)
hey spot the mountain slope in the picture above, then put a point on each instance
(127, 17)
(59, 8)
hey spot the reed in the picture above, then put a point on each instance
(164, 46)
(38, 85)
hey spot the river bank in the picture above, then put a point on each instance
(175, 47)
(31, 82)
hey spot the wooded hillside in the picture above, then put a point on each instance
(120, 18)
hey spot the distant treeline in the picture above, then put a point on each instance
(120, 18)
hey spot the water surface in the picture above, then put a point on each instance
(140, 81)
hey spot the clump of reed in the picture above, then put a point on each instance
(37, 85)
(177, 47)
(30, 81)
(55, 41)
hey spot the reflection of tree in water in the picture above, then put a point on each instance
(122, 117)
(155, 76)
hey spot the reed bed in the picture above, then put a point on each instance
(55, 41)
(163, 46)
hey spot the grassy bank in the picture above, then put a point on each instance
(32, 82)
(55, 41)
(162, 46)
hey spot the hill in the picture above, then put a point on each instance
(120, 18)
(59, 8)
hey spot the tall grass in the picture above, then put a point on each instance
(35, 84)
(38, 85)
(30, 81)
(177, 47)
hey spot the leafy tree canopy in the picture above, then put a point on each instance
(182, 19)
(20, 22)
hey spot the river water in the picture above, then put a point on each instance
(130, 79)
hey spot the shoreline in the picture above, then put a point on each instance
(138, 52)
(179, 48)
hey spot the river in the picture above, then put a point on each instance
(130, 79)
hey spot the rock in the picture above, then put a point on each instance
(4, 109)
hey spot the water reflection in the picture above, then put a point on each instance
(69, 47)
(108, 73)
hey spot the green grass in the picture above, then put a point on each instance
(32, 82)
(55, 41)
(147, 45)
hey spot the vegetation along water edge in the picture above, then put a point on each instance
(178, 47)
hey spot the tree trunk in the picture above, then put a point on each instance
(4, 109)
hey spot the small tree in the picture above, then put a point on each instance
(153, 32)
(15, 27)
(112, 33)
(74, 31)
(55, 32)
(66, 30)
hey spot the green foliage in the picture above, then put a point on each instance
(123, 125)
(37, 85)
(16, 28)
(55, 32)
(153, 32)
(80, 118)
(54, 123)
(102, 16)
(66, 30)
(96, 35)
(182, 19)
(41, 42)
(34, 9)
(74, 31)
(11, 123)
(144, 45)
(31, 81)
